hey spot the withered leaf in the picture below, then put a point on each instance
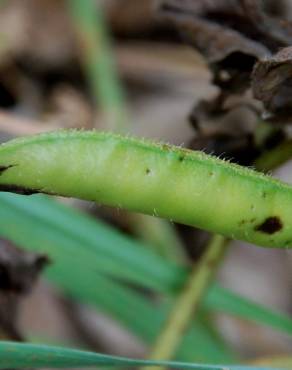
(273, 32)
(272, 84)
(216, 28)
(19, 269)
(239, 148)
(207, 109)
(231, 34)
(18, 272)
(247, 17)
(220, 30)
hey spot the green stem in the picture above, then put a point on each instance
(275, 157)
(160, 234)
(189, 299)
(262, 131)
(98, 61)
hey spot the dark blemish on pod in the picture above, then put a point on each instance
(4, 168)
(271, 225)
(264, 194)
(243, 222)
(18, 189)
(23, 190)
(148, 171)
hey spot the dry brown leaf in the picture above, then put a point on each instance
(18, 273)
(217, 30)
(231, 34)
(272, 84)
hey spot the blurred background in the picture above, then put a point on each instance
(132, 67)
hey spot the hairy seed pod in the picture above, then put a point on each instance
(185, 186)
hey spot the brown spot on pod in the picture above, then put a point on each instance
(271, 225)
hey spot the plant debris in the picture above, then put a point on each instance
(240, 41)
(272, 84)
(19, 271)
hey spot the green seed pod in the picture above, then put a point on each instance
(185, 186)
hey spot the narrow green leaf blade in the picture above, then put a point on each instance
(223, 300)
(111, 252)
(42, 224)
(142, 316)
(76, 271)
(20, 355)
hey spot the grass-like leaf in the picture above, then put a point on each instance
(19, 355)
(223, 300)
(100, 242)
(75, 268)
(76, 241)
(110, 251)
